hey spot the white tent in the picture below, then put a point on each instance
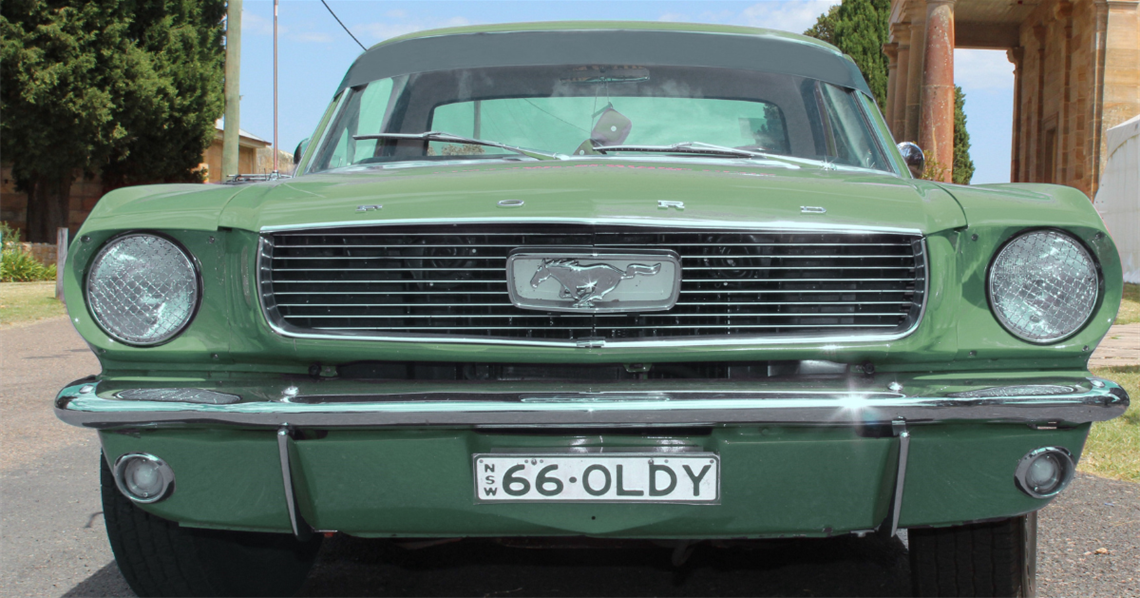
(1118, 199)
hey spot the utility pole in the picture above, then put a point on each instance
(276, 169)
(231, 136)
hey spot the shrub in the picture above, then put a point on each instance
(17, 265)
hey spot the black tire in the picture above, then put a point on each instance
(159, 558)
(982, 559)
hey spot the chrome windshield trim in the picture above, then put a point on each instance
(620, 408)
(324, 133)
(274, 322)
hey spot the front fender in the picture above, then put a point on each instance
(996, 213)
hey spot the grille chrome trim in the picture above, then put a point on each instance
(820, 333)
(658, 223)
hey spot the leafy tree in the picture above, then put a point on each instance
(55, 68)
(183, 39)
(859, 29)
(963, 165)
(113, 86)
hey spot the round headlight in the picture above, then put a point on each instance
(142, 289)
(1043, 286)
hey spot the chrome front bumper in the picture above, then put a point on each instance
(337, 404)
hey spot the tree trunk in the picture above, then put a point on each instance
(49, 207)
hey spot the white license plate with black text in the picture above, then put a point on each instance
(628, 477)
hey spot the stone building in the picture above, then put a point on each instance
(255, 155)
(1076, 75)
(85, 192)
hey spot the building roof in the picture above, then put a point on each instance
(246, 138)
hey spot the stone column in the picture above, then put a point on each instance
(897, 118)
(1014, 55)
(892, 52)
(1036, 174)
(914, 76)
(1117, 93)
(1063, 12)
(936, 125)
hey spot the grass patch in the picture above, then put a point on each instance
(1113, 448)
(25, 302)
(1130, 305)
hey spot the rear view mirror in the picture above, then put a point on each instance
(914, 158)
(300, 150)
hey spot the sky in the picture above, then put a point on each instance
(314, 53)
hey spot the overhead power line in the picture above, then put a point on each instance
(342, 25)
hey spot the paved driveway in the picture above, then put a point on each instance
(1121, 346)
(52, 540)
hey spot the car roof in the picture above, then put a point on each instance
(582, 42)
(612, 26)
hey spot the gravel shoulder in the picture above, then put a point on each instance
(1091, 515)
(36, 361)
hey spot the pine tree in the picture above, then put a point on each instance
(824, 28)
(859, 28)
(84, 85)
(963, 165)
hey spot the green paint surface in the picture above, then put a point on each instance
(775, 481)
(222, 478)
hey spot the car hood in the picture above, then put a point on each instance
(714, 193)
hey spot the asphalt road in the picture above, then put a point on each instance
(52, 541)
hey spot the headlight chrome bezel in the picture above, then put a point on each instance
(195, 267)
(166, 474)
(989, 284)
(1062, 457)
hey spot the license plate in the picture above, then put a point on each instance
(626, 477)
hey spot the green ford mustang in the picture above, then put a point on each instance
(606, 280)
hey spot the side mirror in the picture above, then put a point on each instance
(915, 160)
(300, 150)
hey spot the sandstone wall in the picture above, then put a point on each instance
(14, 204)
(1079, 76)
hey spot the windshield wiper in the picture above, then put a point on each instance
(685, 147)
(451, 138)
(700, 147)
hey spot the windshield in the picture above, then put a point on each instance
(583, 110)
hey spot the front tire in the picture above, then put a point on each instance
(981, 559)
(159, 558)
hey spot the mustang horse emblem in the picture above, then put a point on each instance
(587, 284)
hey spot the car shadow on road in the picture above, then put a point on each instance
(827, 567)
(104, 583)
(357, 567)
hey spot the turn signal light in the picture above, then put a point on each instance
(1044, 472)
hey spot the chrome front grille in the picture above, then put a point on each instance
(449, 282)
